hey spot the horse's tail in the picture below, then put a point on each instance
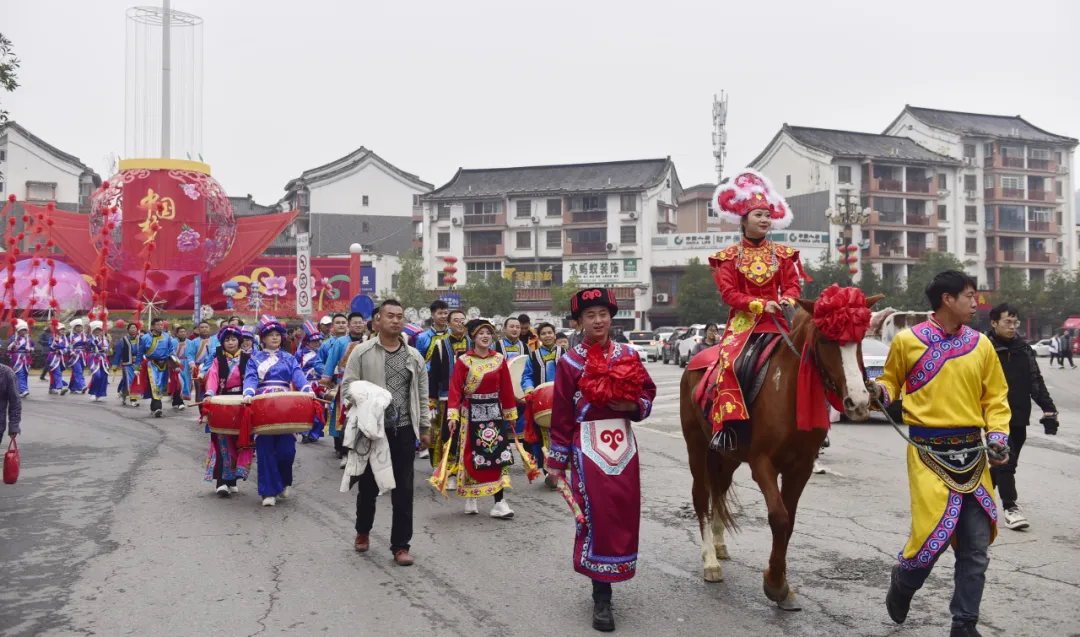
(724, 503)
(697, 432)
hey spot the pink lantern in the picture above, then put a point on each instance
(851, 248)
(449, 269)
(449, 280)
(450, 259)
(853, 270)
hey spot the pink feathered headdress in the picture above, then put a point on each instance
(749, 191)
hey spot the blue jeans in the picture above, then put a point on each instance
(972, 537)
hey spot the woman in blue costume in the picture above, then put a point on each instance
(97, 358)
(307, 356)
(77, 358)
(21, 350)
(57, 361)
(127, 357)
(226, 461)
(272, 369)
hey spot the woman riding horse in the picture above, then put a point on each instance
(756, 277)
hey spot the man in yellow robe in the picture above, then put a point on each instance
(953, 389)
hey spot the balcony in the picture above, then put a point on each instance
(1040, 165)
(1040, 195)
(1040, 226)
(532, 294)
(484, 250)
(490, 219)
(1039, 257)
(878, 184)
(999, 193)
(888, 250)
(586, 247)
(916, 252)
(919, 186)
(1012, 162)
(886, 218)
(916, 219)
(587, 216)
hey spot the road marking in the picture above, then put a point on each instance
(657, 431)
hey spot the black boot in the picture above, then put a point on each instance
(966, 630)
(896, 602)
(602, 619)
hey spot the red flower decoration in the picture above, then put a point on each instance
(841, 315)
(11, 221)
(55, 323)
(92, 316)
(50, 263)
(54, 304)
(26, 218)
(34, 282)
(30, 321)
(52, 283)
(605, 381)
(11, 198)
(50, 206)
(105, 185)
(50, 243)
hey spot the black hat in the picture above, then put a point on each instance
(592, 297)
(474, 325)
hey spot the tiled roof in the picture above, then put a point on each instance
(1005, 126)
(246, 207)
(345, 164)
(854, 144)
(49, 148)
(384, 234)
(552, 180)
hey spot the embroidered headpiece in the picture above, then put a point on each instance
(269, 324)
(476, 324)
(311, 333)
(230, 330)
(592, 297)
(749, 191)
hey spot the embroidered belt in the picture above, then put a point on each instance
(492, 396)
(957, 473)
(609, 444)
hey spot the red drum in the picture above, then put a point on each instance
(224, 414)
(283, 412)
(543, 398)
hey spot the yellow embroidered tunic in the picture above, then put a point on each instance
(953, 389)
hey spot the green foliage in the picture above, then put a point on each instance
(699, 300)
(827, 271)
(412, 290)
(912, 296)
(494, 296)
(561, 295)
(9, 79)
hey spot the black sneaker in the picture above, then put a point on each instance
(895, 601)
(602, 619)
(965, 630)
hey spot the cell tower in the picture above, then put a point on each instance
(719, 136)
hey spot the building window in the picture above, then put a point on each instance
(1, 186)
(843, 174)
(628, 203)
(483, 207)
(969, 150)
(444, 241)
(483, 269)
(942, 243)
(971, 246)
(524, 209)
(364, 227)
(444, 212)
(582, 204)
(416, 201)
(1058, 190)
(3, 155)
(942, 213)
(942, 181)
(39, 191)
(524, 240)
(364, 200)
(1057, 158)
(393, 281)
(440, 279)
(712, 213)
(1011, 182)
(971, 214)
(628, 235)
(970, 183)
(787, 181)
(1039, 153)
(303, 199)
(554, 238)
(1059, 219)
(988, 149)
(554, 207)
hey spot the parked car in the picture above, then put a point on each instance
(694, 335)
(640, 352)
(661, 334)
(646, 343)
(874, 354)
(1042, 348)
(667, 351)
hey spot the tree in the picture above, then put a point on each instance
(561, 295)
(412, 290)
(913, 295)
(494, 295)
(9, 79)
(699, 301)
(826, 272)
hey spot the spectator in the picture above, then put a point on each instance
(1065, 349)
(712, 336)
(1055, 347)
(10, 402)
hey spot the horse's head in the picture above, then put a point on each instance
(841, 317)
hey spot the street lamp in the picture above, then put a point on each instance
(847, 212)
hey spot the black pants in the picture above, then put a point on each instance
(601, 591)
(1066, 354)
(339, 445)
(402, 453)
(1004, 476)
(155, 405)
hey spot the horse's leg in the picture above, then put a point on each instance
(721, 471)
(765, 474)
(697, 451)
(793, 481)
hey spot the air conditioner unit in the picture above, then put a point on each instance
(434, 216)
(612, 247)
(456, 221)
(633, 215)
(535, 219)
(662, 298)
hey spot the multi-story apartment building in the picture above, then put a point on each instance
(542, 225)
(909, 191)
(696, 212)
(1016, 180)
(38, 172)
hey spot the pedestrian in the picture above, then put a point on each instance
(76, 358)
(334, 372)
(953, 390)
(307, 356)
(45, 340)
(575, 335)
(21, 350)
(1065, 350)
(440, 369)
(180, 335)
(563, 340)
(540, 369)
(158, 349)
(339, 326)
(606, 479)
(57, 360)
(1026, 384)
(226, 462)
(193, 350)
(712, 336)
(10, 403)
(97, 357)
(326, 324)
(388, 361)
(128, 358)
(427, 340)
(1055, 346)
(482, 404)
(528, 336)
(271, 369)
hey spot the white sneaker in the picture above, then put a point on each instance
(451, 483)
(502, 510)
(470, 506)
(24, 394)
(343, 463)
(424, 453)
(222, 491)
(181, 407)
(1015, 520)
(818, 467)
(234, 490)
(270, 501)
(65, 390)
(286, 494)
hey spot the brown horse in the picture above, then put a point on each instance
(777, 448)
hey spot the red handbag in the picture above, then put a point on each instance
(11, 463)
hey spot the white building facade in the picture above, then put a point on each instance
(38, 172)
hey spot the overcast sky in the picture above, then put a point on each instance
(431, 86)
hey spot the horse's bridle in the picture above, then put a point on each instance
(826, 380)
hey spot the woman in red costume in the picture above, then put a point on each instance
(757, 278)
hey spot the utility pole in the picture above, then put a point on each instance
(719, 136)
(166, 79)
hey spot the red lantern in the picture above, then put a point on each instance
(449, 280)
(120, 323)
(852, 248)
(450, 259)
(853, 270)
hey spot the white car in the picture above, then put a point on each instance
(640, 352)
(694, 335)
(645, 342)
(1042, 348)
(874, 353)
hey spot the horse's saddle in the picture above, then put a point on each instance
(749, 369)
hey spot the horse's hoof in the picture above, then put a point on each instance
(722, 552)
(777, 595)
(789, 603)
(713, 574)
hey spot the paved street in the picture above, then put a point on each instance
(111, 531)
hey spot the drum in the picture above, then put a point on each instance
(543, 398)
(283, 412)
(224, 414)
(517, 368)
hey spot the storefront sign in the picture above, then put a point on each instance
(610, 271)
(716, 240)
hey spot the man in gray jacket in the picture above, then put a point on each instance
(10, 402)
(388, 361)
